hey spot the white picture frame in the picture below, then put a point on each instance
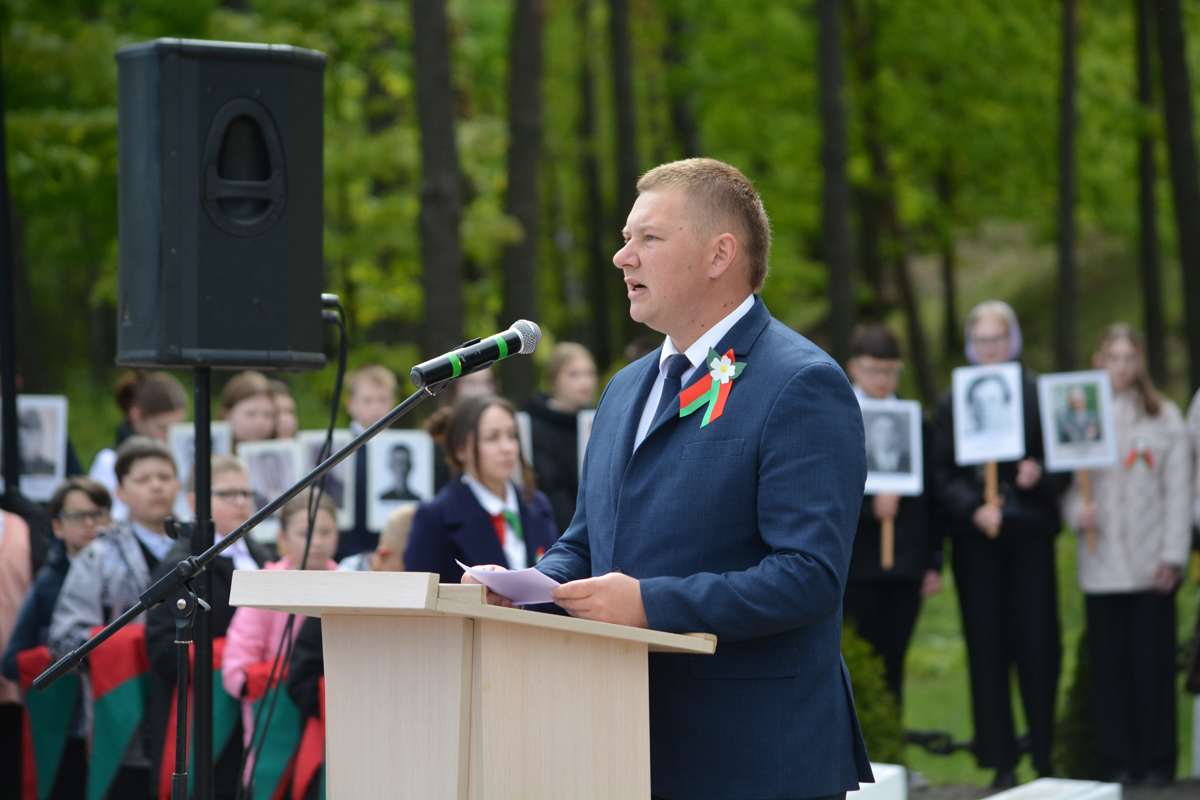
(181, 438)
(384, 495)
(339, 481)
(895, 455)
(989, 414)
(583, 433)
(1077, 420)
(274, 467)
(42, 435)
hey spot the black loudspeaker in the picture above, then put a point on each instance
(220, 205)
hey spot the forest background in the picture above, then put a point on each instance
(915, 156)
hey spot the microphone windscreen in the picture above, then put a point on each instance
(530, 335)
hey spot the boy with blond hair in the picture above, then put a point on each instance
(371, 393)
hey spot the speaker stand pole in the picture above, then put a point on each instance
(202, 540)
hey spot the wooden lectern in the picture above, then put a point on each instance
(430, 693)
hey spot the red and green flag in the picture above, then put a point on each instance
(225, 714)
(120, 673)
(275, 758)
(310, 757)
(47, 724)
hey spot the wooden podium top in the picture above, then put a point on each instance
(317, 593)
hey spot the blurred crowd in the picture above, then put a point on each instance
(493, 505)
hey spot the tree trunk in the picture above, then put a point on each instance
(1151, 269)
(836, 190)
(683, 115)
(441, 183)
(1185, 182)
(1067, 293)
(870, 200)
(519, 262)
(951, 333)
(33, 369)
(627, 152)
(600, 270)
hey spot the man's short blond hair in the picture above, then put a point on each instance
(373, 374)
(723, 197)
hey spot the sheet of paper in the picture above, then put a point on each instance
(521, 586)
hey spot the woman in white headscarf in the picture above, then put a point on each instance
(1006, 584)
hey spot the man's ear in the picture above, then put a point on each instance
(725, 250)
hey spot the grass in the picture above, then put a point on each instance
(936, 688)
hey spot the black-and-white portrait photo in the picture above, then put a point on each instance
(399, 471)
(893, 439)
(989, 414)
(274, 466)
(42, 442)
(1077, 424)
(338, 483)
(400, 463)
(181, 438)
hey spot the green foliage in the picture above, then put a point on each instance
(1075, 742)
(878, 714)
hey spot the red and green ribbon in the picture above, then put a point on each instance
(48, 718)
(120, 674)
(713, 389)
(1140, 450)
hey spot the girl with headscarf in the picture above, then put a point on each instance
(1007, 587)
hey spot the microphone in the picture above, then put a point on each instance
(522, 337)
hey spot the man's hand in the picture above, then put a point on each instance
(887, 506)
(1087, 517)
(493, 599)
(615, 598)
(1166, 577)
(932, 583)
(988, 517)
(1029, 472)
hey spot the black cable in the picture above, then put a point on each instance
(283, 654)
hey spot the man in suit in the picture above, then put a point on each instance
(742, 527)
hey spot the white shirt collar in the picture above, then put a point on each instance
(697, 353)
(157, 543)
(492, 504)
(239, 552)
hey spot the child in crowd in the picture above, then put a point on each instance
(1141, 515)
(79, 507)
(108, 575)
(371, 393)
(16, 572)
(389, 555)
(152, 403)
(554, 425)
(480, 517)
(255, 634)
(286, 421)
(883, 603)
(231, 506)
(248, 404)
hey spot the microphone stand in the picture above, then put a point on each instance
(177, 584)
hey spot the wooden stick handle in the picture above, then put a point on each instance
(887, 542)
(991, 491)
(1085, 488)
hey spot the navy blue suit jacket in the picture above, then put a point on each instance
(744, 529)
(454, 526)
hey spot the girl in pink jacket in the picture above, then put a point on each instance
(255, 634)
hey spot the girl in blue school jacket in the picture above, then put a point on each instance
(480, 516)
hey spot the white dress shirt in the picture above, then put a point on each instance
(514, 548)
(696, 355)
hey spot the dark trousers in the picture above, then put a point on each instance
(884, 613)
(1131, 642)
(11, 720)
(1008, 595)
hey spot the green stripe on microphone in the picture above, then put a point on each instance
(503, 345)
(457, 364)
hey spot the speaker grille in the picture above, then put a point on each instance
(139, 204)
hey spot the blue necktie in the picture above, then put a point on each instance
(676, 366)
